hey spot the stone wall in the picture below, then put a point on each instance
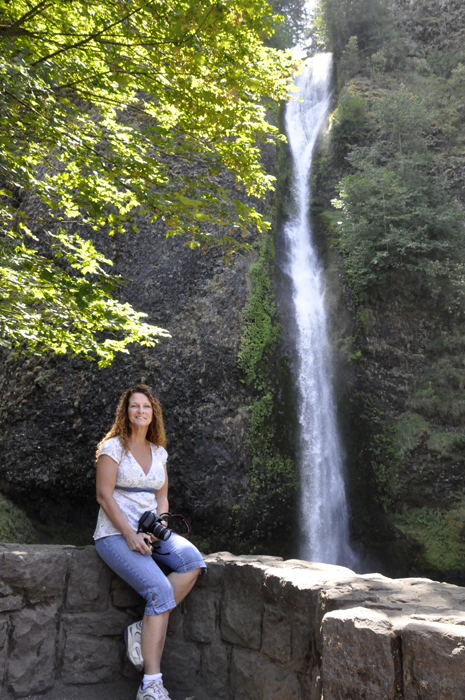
(253, 628)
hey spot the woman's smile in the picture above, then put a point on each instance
(139, 409)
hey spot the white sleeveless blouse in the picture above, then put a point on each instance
(130, 475)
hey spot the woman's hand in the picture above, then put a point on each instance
(137, 542)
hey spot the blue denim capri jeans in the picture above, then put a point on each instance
(142, 572)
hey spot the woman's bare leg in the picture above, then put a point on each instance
(182, 583)
(154, 626)
(153, 640)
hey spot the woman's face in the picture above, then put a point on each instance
(139, 410)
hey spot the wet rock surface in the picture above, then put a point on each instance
(253, 628)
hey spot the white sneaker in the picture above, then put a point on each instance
(155, 690)
(132, 636)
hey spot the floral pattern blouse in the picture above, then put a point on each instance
(133, 502)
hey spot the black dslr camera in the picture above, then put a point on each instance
(149, 522)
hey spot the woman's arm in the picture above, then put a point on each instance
(107, 470)
(161, 495)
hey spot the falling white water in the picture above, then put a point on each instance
(323, 507)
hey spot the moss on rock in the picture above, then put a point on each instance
(264, 518)
(441, 534)
(15, 526)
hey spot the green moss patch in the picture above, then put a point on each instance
(272, 474)
(15, 526)
(411, 429)
(441, 534)
(265, 515)
(441, 391)
(261, 330)
(447, 444)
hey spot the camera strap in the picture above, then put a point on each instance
(187, 524)
(156, 550)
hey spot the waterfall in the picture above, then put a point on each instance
(323, 508)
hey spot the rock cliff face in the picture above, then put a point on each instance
(431, 23)
(253, 628)
(54, 411)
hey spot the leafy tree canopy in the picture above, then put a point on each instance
(109, 111)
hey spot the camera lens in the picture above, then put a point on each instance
(161, 532)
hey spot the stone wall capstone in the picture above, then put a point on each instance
(253, 628)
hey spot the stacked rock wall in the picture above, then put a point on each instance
(253, 628)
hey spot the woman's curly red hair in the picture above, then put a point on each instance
(122, 427)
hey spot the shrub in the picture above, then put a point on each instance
(397, 223)
(348, 122)
(371, 21)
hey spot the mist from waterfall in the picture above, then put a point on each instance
(323, 508)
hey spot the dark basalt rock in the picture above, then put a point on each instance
(54, 410)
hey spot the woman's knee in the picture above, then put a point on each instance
(194, 574)
(184, 556)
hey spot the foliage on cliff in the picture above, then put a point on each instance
(15, 526)
(399, 225)
(372, 22)
(110, 111)
(265, 517)
(390, 192)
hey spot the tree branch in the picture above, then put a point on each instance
(85, 41)
(191, 36)
(12, 29)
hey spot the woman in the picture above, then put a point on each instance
(131, 479)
